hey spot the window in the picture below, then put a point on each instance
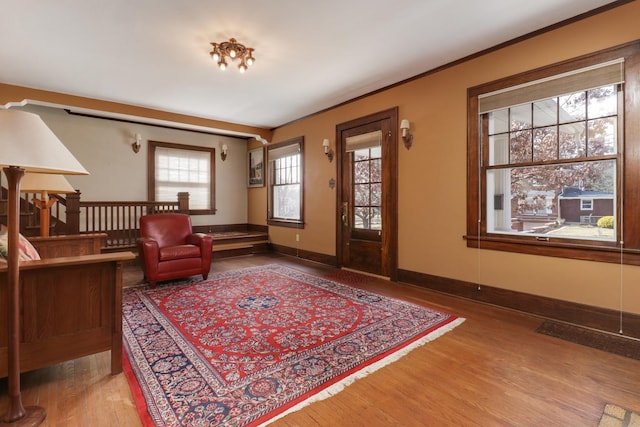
(548, 145)
(285, 205)
(586, 204)
(175, 168)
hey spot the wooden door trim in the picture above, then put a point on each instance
(390, 173)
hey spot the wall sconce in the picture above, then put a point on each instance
(223, 152)
(328, 151)
(135, 146)
(406, 136)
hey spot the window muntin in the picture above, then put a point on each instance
(285, 203)
(183, 168)
(540, 151)
(286, 188)
(367, 188)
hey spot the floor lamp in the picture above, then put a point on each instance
(28, 145)
(45, 183)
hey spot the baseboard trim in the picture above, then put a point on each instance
(587, 316)
(602, 319)
(308, 255)
(611, 343)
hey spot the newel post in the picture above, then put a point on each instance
(183, 202)
(73, 213)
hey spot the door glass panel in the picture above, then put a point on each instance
(361, 169)
(367, 189)
(361, 194)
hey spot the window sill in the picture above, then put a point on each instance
(610, 253)
(285, 223)
(202, 211)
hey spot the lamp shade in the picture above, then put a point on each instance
(28, 143)
(38, 182)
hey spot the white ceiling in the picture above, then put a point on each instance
(310, 55)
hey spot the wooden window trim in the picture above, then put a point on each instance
(271, 178)
(628, 174)
(151, 172)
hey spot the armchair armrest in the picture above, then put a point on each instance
(149, 253)
(204, 241)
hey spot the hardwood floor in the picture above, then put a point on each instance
(493, 370)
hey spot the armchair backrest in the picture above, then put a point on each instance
(167, 229)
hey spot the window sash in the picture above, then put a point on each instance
(285, 203)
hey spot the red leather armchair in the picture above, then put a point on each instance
(169, 249)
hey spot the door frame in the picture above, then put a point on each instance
(390, 179)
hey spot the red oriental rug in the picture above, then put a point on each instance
(248, 346)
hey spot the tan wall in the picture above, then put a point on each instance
(432, 175)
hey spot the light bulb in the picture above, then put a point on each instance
(215, 53)
(222, 65)
(232, 53)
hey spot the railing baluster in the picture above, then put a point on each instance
(120, 220)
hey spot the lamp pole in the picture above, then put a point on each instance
(18, 415)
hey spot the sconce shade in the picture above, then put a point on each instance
(28, 143)
(327, 149)
(406, 136)
(38, 182)
(223, 151)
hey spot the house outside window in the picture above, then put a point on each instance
(285, 190)
(175, 168)
(547, 157)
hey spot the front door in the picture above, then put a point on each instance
(367, 199)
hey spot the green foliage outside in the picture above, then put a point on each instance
(605, 222)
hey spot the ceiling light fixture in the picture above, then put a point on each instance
(232, 50)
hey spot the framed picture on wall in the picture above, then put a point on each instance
(255, 163)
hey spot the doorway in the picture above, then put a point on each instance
(366, 214)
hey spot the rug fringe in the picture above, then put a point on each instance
(341, 385)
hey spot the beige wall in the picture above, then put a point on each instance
(117, 173)
(432, 175)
